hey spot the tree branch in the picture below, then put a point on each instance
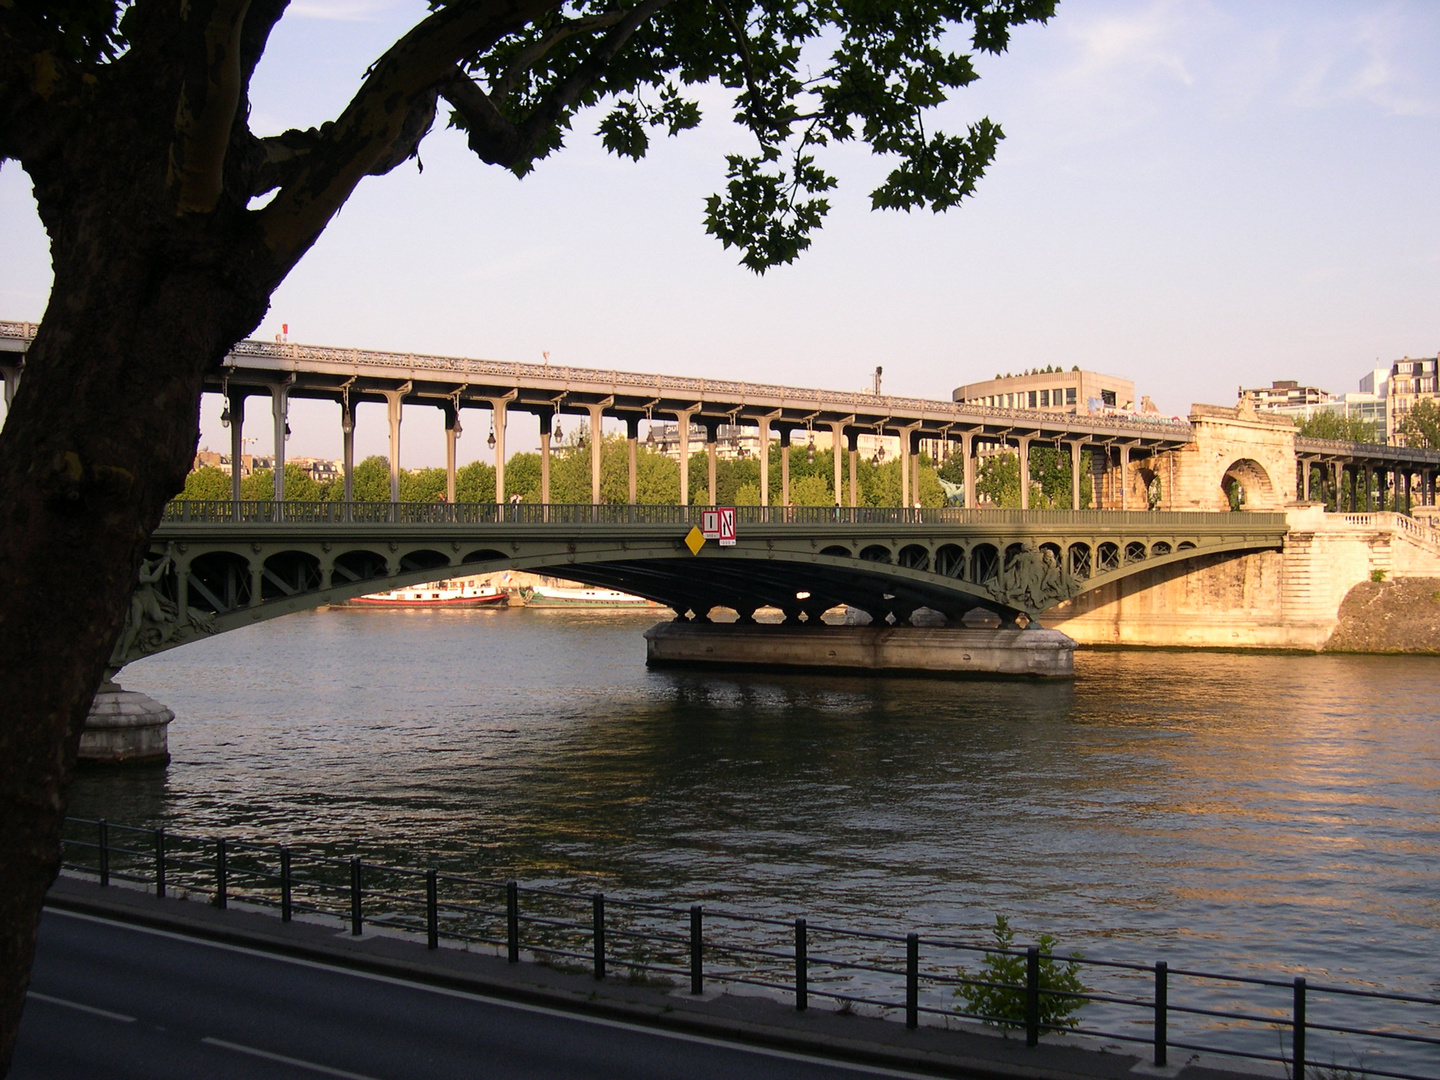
(375, 122)
(537, 51)
(206, 111)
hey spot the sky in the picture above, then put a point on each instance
(1194, 195)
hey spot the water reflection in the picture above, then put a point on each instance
(1240, 809)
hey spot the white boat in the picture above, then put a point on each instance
(582, 596)
(457, 593)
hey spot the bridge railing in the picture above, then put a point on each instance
(1326, 1028)
(217, 511)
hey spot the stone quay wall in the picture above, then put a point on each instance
(1290, 599)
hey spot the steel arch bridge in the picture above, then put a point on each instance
(217, 566)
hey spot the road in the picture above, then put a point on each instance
(112, 1000)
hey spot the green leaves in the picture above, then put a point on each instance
(762, 211)
(804, 77)
(997, 994)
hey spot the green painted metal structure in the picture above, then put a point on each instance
(221, 565)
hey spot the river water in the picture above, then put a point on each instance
(1238, 812)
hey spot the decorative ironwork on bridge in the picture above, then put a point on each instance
(217, 566)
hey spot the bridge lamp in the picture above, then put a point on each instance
(225, 415)
(287, 429)
(557, 432)
(810, 453)
(490, 441)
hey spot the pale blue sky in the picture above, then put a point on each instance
(1195, 195)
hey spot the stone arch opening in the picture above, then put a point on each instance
(1135, 551)
(837, 551)
(1150, 489)
(877, 553)
(1247, 486)
(1079, 561)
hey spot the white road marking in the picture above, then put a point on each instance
(325, 1070)
(83, 1008)
(505, 1003)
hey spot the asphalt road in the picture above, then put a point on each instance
(112, 1000)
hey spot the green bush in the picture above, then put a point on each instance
(1377, 576)
(1005, 1003)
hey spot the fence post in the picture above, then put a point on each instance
(697, 958)
(598, 937)
(432, 909)
(1162, 1005)
(160, 863)
(801, 973)
(284, 884)
(1297, 1039)
(104, 852)
(221, 897)
(1032, 996)
(912, 981)
(356, 903)
(512, 920)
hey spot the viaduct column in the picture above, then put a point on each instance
(499, 410)
(236, 405)
(392, 414)
(837, 436)
(712, 432)
(763, 423)
(967, 448)
(632, 455)
(1124, 476)
(682, 417)
(915, 468)
(597, 417)
(280, 411)
(347, 447)
(452, 432)
(905, 468)
(785, 466)
(1075, 475)
(547, 425)
(1024, 472)
(853, 444)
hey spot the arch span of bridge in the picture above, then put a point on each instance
(216, 567)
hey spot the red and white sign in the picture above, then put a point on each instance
(726, 531)
(710, 524)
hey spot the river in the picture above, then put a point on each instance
(1237, 811)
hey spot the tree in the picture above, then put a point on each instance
(260, 484)
(1421, 426)
(165, 210)
(372, 480)
(1339, 426)
(207, 482)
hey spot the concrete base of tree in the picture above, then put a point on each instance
(947, 650)
(125, 728)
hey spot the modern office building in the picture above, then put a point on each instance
(1285, 394)
(1075, 391)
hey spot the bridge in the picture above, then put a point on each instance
(221, 565)
(1138, 462)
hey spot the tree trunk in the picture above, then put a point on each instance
(101, 434)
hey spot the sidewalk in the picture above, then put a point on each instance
(970, 1051)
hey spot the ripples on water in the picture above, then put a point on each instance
(1232, 810)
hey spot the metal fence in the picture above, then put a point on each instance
(1329, 1030)
(218, 511)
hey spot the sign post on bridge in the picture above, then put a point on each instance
(719, 524)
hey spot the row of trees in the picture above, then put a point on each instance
(737, 480)
(1420, 427)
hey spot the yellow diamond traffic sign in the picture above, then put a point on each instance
(694, 540)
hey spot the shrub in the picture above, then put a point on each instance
(1004, 1004)
(1377, 576)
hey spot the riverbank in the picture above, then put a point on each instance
(1399, 616)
